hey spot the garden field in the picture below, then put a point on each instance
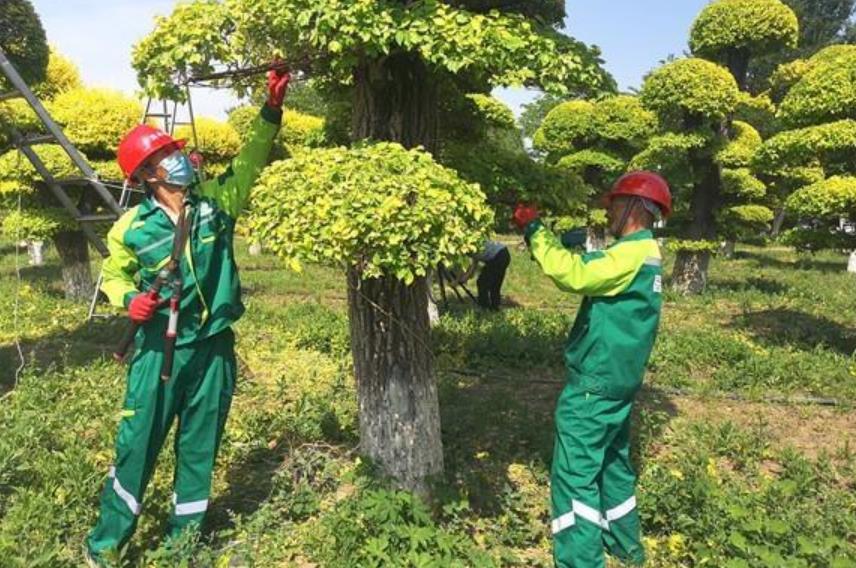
(745, 435)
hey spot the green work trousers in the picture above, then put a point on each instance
(593, 482)
(198, 395)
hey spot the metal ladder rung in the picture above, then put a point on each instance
(76, 181)
(158, 115)
(96, 218)
(13, 94)
(38, 139)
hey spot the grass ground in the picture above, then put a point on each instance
(727, 478)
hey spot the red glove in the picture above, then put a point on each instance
(524, 214)
(278, 80)
(142, 307)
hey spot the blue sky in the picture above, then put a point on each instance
(98, 35)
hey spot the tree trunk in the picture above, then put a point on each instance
(399, 408)
(36, 250)
(395, 100)
(596, 239)
(689, 275)
(778, 221)
(73, 249)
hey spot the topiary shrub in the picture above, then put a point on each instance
(692, 89)
(62, 75)
(741, 147)
(218, 141)
(753, 26)
(826, 92)
(566, 127)
(95, 120)
(381, 210)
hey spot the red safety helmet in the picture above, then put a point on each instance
(643, 184)
(142, 143)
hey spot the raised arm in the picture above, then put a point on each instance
(601, 273)
(231, 189)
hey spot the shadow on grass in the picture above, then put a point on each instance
(783, 326)
(763, 285)
(802, 263)
(74, 348)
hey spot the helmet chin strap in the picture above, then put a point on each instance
(634, 201)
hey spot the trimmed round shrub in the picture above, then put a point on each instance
(62, 75)
(623, 119)
(742, 183)
(381, 209)
(831, 197)
(585, 160)
(690, 88)
(826, 92)
(566, 127)
(218, 141)
(801, 147)
(493, 111)
(95, 120)
(753, 26)
(741, 148)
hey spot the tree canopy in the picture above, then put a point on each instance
(499, 47)
(22, 39)
(379, 209)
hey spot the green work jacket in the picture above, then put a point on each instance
(614, 332)
(140, 243)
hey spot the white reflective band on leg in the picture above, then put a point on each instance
(129, 499)
(191, 508)
(563, 522)
(590, 514)
(617, 512)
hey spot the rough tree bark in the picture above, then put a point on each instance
(395, 100)
(399, 408)
(73, 250)
(689, 276)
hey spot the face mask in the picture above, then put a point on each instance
(179, 171)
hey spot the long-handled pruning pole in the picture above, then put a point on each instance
(169, 275)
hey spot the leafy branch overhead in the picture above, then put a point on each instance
(330, 37)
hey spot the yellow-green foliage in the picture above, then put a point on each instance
(831, 197)
(623, 119)
(493, 111)
(298, 129)
(802, 147)
(382, 209)
(825, 92)
(95, 119)
(754, 26)
(567, 126)
(580, 162)
(741, 147)
(669, 154)
(62, 75)
(690, 88)
(18, 113)
(756, 215)
(502, 48)
(573, 125)
(759, 111)
(15, 169)
(35, 223)
(218, 141)
(787, 75)
(741, 183)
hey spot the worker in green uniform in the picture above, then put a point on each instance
(592, 480)
(198, 393)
